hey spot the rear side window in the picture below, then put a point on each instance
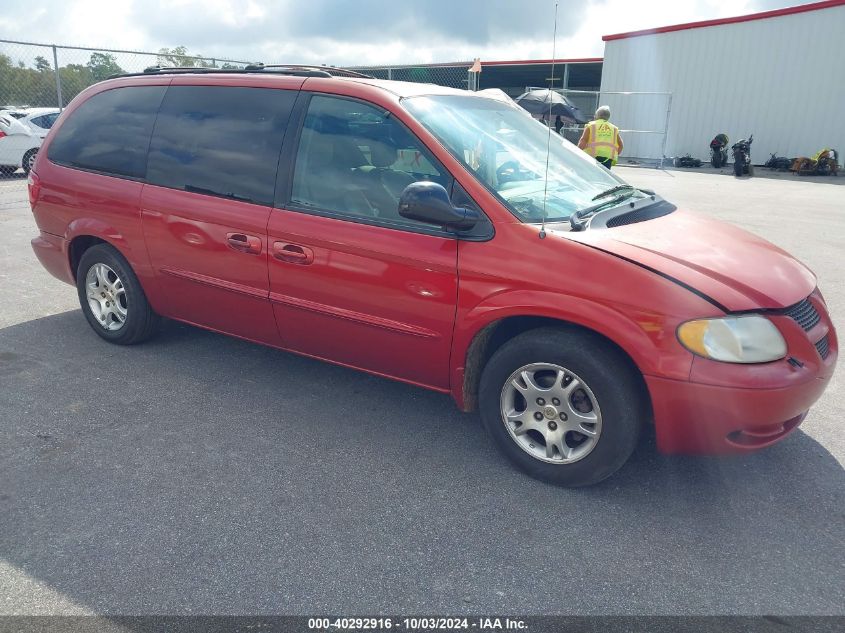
(45, 120)
(220, 141)
(110, 132)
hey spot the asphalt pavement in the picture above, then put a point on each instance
(202, 474)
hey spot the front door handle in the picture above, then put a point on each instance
(244, 243)
(293, 253)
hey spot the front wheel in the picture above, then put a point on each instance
(564, 406)
(112, 298)
(739, 163)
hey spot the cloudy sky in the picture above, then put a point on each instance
(354, 31)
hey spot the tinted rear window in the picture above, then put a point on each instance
(110, 132)
(219, 140)
(45, 120)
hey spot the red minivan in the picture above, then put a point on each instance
(432, 236)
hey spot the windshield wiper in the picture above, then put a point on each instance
(575, 218)
(622, 187)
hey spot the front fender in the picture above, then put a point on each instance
(646, 336)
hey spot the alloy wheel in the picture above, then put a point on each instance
(106, 297)
(551, 413)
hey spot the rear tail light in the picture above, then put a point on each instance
(2, 134)
(33, 183)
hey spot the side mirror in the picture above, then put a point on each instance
(429, 202)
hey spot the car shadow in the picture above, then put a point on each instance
(202, 474)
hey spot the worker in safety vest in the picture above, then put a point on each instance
(601, 138)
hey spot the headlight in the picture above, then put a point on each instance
(742, 339)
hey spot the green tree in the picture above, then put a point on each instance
(179, 56)
(103, 65)
(41, 64)
(75, 78)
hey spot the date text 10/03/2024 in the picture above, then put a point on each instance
(417, 624)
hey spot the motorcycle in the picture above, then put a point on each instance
(780, 163)
(719, 150)
(742, 157)
(686, 161)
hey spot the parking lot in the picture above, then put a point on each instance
(203, 474)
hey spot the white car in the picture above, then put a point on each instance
(18, 145)
(38, 120)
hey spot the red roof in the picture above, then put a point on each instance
(802, 8)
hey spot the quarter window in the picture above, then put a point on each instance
(110, 132)
(220, 141)
(355, 160)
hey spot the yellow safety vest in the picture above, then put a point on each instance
(602, 139)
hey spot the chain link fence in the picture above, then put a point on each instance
(49, 76)
(29, 77)
(455, 75)
(642, 119)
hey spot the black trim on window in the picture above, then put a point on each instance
(287, 161)
(482, 231)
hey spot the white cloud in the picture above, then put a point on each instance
(391, 32)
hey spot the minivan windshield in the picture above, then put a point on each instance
(506, 149)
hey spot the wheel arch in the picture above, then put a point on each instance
(84, 233)
(630, 341)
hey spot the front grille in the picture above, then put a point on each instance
(823, 347)
(804, 314)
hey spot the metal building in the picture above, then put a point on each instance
(777, 75)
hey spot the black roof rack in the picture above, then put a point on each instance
(259, 68)
(331, 71)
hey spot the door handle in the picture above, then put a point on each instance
(244, 243)
(293, 253)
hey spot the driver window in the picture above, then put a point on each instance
(355, 159)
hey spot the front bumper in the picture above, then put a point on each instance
(696, 418)
(733, 408)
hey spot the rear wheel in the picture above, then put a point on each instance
(112, 298)
(738, 165)
(29, 160)
(564, 406)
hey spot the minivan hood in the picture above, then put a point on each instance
(734, 268)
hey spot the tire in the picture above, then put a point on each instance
(738, 164)
(118, 310)
(716, 159)
(750, 170)
(609, 390)
(28, 159)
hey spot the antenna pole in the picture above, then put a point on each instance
(548, 122)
